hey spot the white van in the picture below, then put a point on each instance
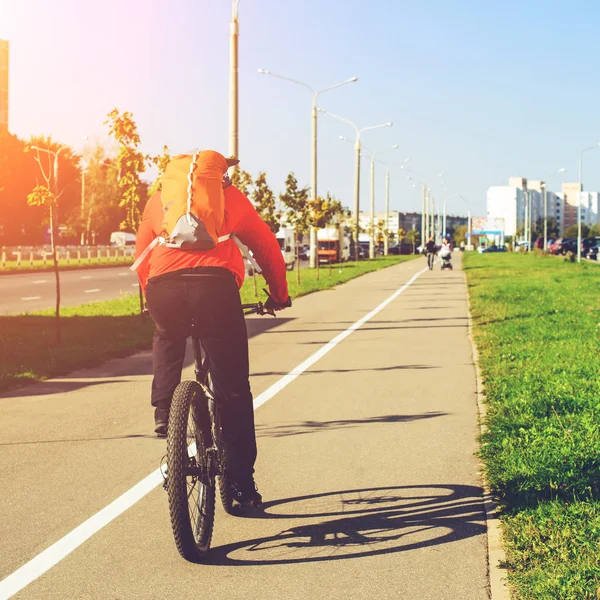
(287, 242)
(122, 238)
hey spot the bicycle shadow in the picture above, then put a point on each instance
(359, 523)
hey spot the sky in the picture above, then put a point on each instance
(478, 91)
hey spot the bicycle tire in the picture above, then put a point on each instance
(223, 478)
(192, 529)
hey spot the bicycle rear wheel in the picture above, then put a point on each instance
(190, 475)
(223, 476)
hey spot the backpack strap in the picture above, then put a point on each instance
(243, 249)
(161, 241)
(142, 257)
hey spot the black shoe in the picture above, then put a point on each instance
(246, 496)
(161, 421)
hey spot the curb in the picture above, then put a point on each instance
(498, 575)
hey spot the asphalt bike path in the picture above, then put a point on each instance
(366, 434)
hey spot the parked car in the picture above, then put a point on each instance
(562, 245)
(304, 252)
(494, 248)
(592, 252)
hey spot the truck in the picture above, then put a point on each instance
(287, 243)
(332, 245)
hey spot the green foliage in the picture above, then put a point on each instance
(264, 202)
(297, 204)
(414, 237)
(160, 161)
(41, 196)
(537, 328)
(460, 234)
(323, 212)
(131, 164)
(102, 211)
(571, 231)
(242, 181)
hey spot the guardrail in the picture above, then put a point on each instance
(28, 256)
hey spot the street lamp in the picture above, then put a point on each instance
(469, 245)
(315, 95)
(424, 209)
(545, 201)
(357, 169)
(444, 231)
(579, 198)
(372, 240)
(234, 34)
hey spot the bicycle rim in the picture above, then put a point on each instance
(190, 477)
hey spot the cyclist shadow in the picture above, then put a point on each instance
(357, 523)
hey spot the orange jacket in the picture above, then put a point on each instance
(242, 219)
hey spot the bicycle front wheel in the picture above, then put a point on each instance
(190, 476)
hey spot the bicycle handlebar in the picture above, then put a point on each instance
(257, 309)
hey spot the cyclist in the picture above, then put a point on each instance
(185, 285)
(431, 249)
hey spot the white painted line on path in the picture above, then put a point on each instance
(40, 281)
(134, 284)
(91, 291)
(44, 561)
(123, 274)
(311, 360)
(32, 298)
(85, 277)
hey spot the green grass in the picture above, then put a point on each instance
(537, 328)
(99, 331)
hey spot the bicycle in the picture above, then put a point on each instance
(196, 456)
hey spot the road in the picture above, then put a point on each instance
(29, 292)
(367, 423)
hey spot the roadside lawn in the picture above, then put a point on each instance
(93, 333)
(537, 328)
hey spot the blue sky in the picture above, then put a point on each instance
(477, 90)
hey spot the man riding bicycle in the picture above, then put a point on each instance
(182, 287)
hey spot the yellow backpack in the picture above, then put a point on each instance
(193, 204)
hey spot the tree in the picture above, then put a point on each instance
(594, 230)
(103, 212)
(264, 201)
(298, 210)
(160, 161)
(131, 163)
(242, 181)
(19, 174)
(43, 196)
(460, 235)
(572, 231)
(323, 212)
(414, 237)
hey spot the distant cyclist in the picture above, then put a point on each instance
(203, 285)
(431, 249)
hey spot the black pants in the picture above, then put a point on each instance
(211, 297)
(430, 259)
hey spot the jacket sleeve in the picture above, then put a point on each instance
(144, 237)
(256, 234)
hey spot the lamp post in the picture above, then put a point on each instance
(234, 34)
(579, 198)
(315, 95)
(372, 240)
(357, 169)
(545, 202)
(424, 209)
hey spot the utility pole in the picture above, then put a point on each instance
(234, 33)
